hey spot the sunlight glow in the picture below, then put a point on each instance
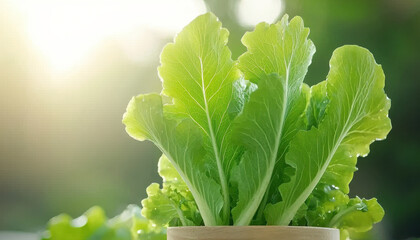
(66, 31)
(252, 12)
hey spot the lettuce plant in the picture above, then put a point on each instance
(247, 142)
(93, 224)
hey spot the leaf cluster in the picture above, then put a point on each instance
(247, 142)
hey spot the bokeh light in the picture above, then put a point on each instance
(68, 30)
(251, 12)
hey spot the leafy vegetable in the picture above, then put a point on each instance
(247, 142)
(93, 224)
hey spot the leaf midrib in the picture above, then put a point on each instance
(205, 212)
(245, 219)
(221, 173)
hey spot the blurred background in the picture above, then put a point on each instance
(69, 67)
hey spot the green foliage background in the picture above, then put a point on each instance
(63, 147)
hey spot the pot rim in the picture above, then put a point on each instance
(253, 226)
(253, 232)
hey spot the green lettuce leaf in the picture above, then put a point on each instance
(318, 103)
(94, 225)
(80, 228)
(357, 115)
(140, 228)
(173, 205)
(198, 74)
(328, 201)
(358, 216)
(277, 60)
(330, 207)
(323, 203)
(181, 142)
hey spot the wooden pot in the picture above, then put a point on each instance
(252, 233)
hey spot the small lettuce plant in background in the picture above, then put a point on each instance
(94, 225)
(247, 142)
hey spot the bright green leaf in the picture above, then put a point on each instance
(277, 60)
(356, 116)
(359, 216)
(63, 227)
(198, 73)
(318, 103)
(324, 202)
(181, 144)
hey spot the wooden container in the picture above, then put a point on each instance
(252, 233)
